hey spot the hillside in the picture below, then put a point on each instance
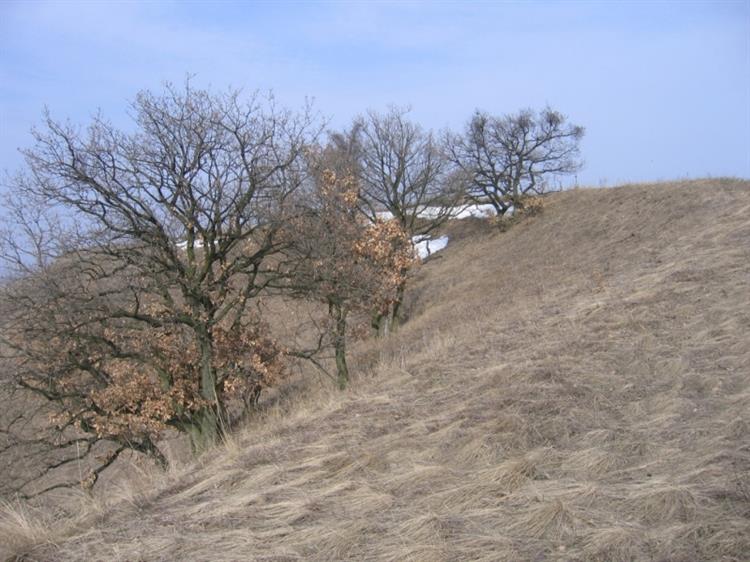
(575, 388)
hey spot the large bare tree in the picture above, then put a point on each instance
(136, 256)
(507, 157)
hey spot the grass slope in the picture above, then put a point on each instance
(576, 388)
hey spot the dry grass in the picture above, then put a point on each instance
(575, 388)
(21, 530)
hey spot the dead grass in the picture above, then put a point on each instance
(21, 530)
(575, 388)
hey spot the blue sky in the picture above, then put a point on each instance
(663, 88)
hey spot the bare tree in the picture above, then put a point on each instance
(402, 171)
(507, 157)
(129, 308)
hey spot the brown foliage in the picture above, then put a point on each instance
(531, 206)
(247, 361)
(386, 246)
(152, 381)
(340, 255)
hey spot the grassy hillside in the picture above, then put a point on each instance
(575, 388)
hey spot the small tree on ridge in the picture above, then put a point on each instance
(510, 156)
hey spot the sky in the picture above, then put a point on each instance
(662, 88)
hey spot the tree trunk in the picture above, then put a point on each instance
(381, 322)
(517, 184)
(385, 323)
(396, 308)
(376, 322)
(205, 426)
(204, 429)
(393, 320)
(338, 313)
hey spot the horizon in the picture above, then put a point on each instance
(663, 89)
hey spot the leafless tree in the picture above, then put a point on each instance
(402, 171)
(507, 157)
(137, 255)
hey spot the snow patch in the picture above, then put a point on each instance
(424, 246)
(462, 212)
(183, 245)
(479, 211)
